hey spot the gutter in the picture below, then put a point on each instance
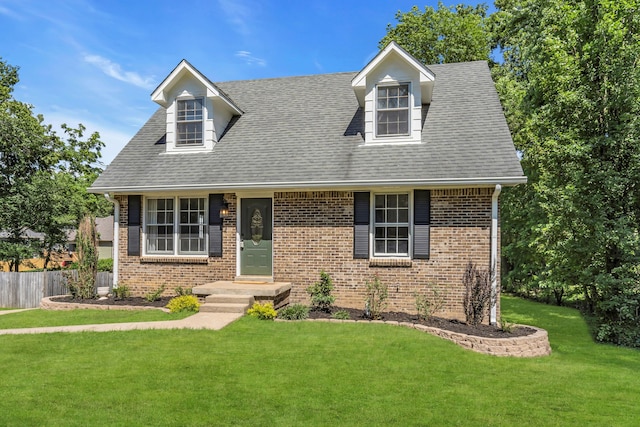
(116, 235)
(493, 267)
(354, 184)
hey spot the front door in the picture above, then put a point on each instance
(255, 237)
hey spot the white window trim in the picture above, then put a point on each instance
(399, 136)
(372, 226)
(202, 127)
(176, 227)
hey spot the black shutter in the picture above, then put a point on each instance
(421, 223)
(361, 225)
(215, 225)
(133, 226)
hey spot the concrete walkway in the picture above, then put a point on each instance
(213, 321)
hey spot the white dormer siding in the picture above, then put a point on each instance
(393, 67)
(186, 83)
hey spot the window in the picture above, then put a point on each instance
(392, 113)
(189, 122)
(391, 225)
(165, 226)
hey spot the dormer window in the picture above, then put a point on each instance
(392, 112)
(189, 122)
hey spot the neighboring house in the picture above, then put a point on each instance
(104, 229)
(392, 171)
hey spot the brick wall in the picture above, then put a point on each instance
(313, 231)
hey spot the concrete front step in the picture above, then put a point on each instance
(217, 307)
(230, 298)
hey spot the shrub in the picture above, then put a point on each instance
(376, 301)
(506, 326)
(321, 298)
(155, 295)
(262, 311)
(122, 291)
(341, 314)
(180, 291)
(294, 312)
(477, 293)
(87, 247)
(105, 264)
(184, 303)
(429, 303)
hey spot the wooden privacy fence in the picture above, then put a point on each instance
(26, 289)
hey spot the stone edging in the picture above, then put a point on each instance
(47, 304)
(534, 345)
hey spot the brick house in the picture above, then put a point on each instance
(392, 171)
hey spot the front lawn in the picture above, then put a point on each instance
(306, 373)
(38, 318)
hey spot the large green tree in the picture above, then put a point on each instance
(43, 176)
(571, 86)
(444, 34)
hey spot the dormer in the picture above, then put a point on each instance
(198, 112)
(392, 89)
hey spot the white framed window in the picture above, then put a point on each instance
(392, 110)
(189, 122)
(176, 226)
(391, 225)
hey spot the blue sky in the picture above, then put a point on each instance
(96, 62)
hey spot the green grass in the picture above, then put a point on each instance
(37, 318)
(309, 373)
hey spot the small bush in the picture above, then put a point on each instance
(155, 295)
(341, 314)
(262, 311)
(180, 291)
(506, 326)
(121, 292)
(429, 303)
(184, 303)
(321, 298)
(477, 293)
(294, 312)
(105, 264)
(376, 301)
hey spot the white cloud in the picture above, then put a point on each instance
(114, 70)
(250, 59)
(9, 13)
(239, 14)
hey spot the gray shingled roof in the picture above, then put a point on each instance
(308, 132)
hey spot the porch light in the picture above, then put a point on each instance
(224, 209)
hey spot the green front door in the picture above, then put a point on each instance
(255, 234)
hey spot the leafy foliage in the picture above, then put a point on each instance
(294, 312)
(341, 314)
(570, 85)
(184, 303)
(155, 295)
(321, 298)
(121, 291)
(43, 177)
(429, 303)
(376, 300)
(446, 34)
(477, 293)
(87, 248)
(262, 311)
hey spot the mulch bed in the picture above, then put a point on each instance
(485, 331)
(134, 301)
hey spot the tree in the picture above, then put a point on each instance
(445, 34)
(570, 84)
(43, 177)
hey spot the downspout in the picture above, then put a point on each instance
(494, 255)
(116, 235)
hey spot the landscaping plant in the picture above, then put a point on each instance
(429, 303)
(477, 293)
(184, 303)
(341, 314)
(121, 291)
(321, 298)
(294, 312)
(262, 311)
(376, 301)
(87, 248)
(155, 295)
